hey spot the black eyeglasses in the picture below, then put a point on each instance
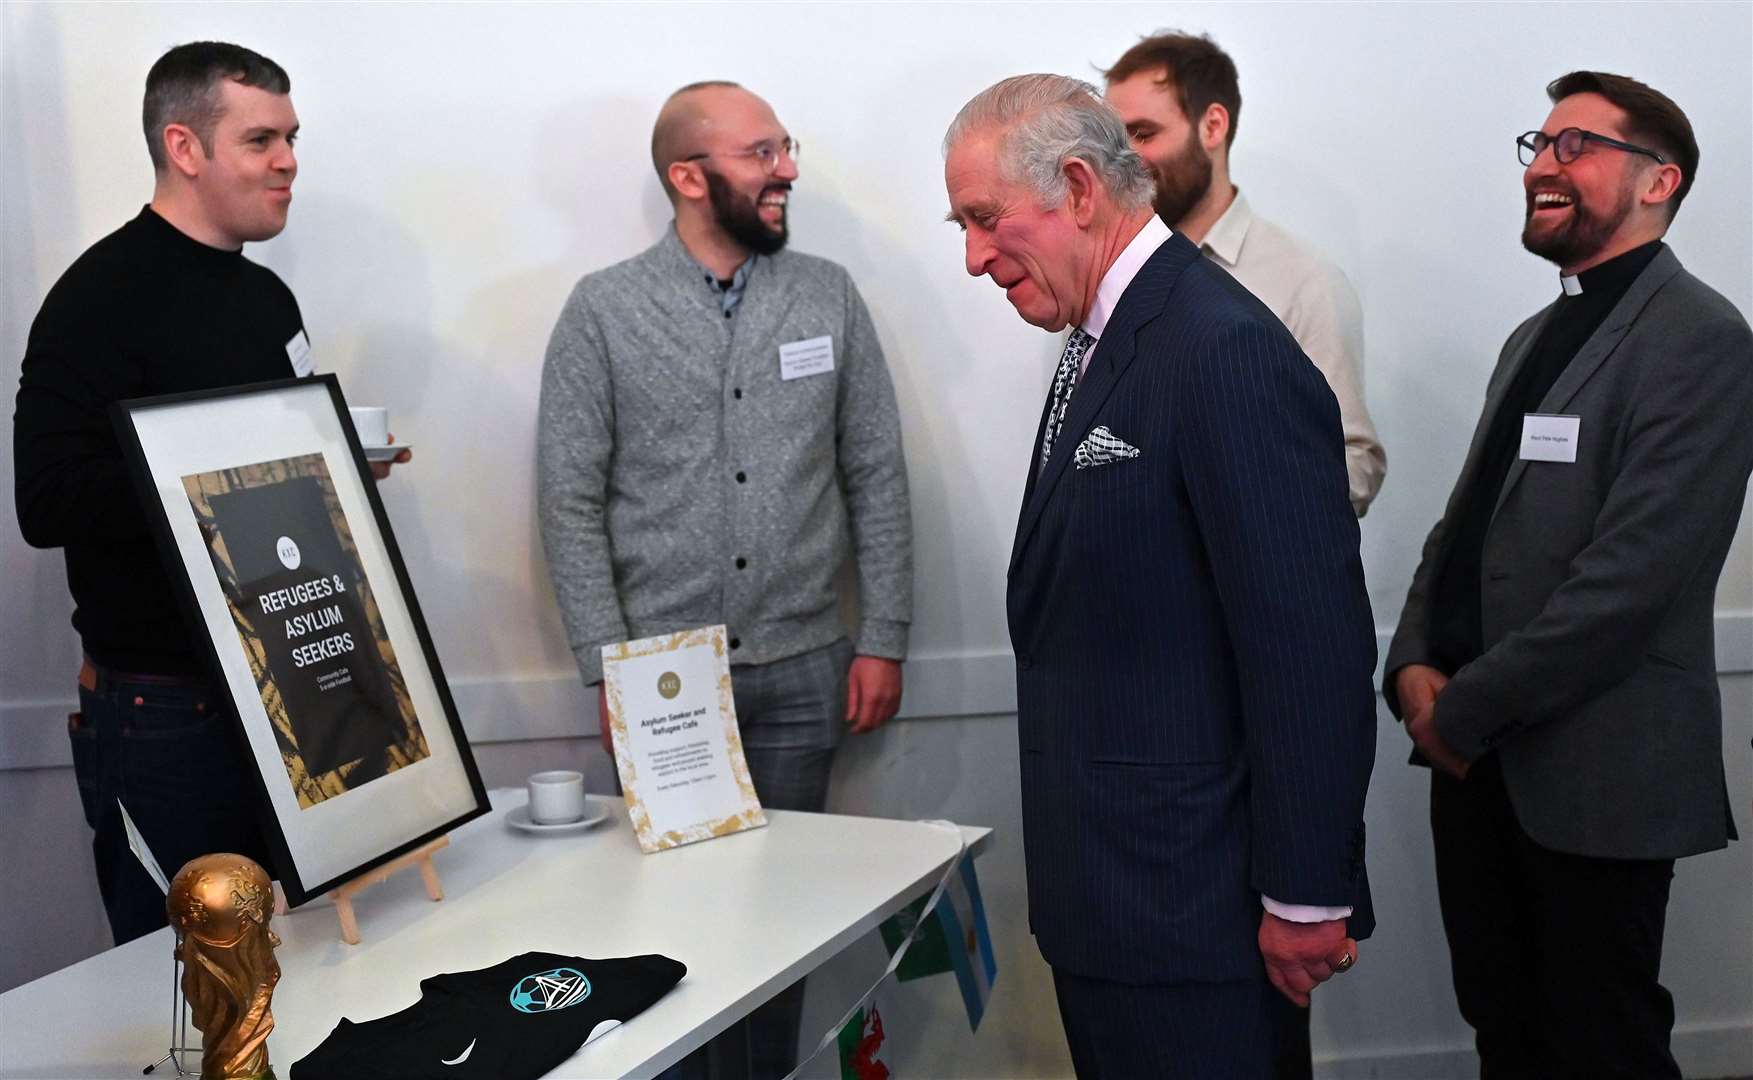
(1568, 145)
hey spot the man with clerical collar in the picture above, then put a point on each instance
(696, 465)
(1194, 653)
(166, 304)
(1181, 101)
(1555, 658)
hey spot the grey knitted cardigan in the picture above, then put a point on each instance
(683, 482)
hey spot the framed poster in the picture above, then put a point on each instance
(264, 502)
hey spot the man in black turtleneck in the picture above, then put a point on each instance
(166, 303)
(1555, 657)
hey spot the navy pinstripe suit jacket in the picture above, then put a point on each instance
(1193, 643)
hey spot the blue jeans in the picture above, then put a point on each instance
(791, 714)
(169, 750)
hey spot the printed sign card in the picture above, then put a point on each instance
(676, 741)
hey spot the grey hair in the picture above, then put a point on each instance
(1046, 120)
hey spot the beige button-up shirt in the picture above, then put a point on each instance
(1312, 298)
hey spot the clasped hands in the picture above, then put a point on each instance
(1419, 685)
(1301, 956)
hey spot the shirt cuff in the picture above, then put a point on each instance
(1304, 913)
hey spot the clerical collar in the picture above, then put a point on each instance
(1614, 275)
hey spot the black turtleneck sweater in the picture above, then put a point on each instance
(146, 311)
(1456, 634)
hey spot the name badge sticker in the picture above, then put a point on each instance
(812, 356)
(1550, 438)
(298, 351)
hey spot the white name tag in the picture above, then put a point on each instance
(298, 351)
(809, 357)
(1549, 438)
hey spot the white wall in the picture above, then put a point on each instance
(462, 165)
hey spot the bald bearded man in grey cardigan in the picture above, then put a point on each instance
(718, 433)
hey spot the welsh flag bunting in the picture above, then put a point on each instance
(863, 1054)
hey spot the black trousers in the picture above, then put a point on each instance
(1556, 956)
(1184, 1031)
(168, 750)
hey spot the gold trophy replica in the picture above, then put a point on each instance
(219, 906)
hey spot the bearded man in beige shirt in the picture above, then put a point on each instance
(1180, 99)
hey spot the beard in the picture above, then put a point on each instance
(1182, 180)
(740, 216)
(1583, 232)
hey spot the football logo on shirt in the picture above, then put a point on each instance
(550, 990)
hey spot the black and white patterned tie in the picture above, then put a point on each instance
(1064, 382)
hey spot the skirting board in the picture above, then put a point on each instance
(1716, 1051)
(514, 708)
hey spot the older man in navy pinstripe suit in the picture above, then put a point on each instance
(1193, 641)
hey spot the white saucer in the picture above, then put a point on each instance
(386, 452)
(594, 814)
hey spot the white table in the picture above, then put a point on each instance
(749, 914)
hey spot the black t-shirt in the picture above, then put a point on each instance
(146, 311)
(513, 1021)
(1456, 630)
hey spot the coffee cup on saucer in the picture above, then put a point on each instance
(556, 797)
(372, 422)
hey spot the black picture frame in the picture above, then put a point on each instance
(305, 865)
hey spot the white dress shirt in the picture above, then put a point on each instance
(1314, 301)
(1114, 283)
(1119, 276)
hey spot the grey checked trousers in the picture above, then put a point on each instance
(791, 714)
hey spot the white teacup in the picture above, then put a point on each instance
(557, 797)
(373, 424)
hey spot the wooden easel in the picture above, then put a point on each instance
(420, 856)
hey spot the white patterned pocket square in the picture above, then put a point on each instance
(1102, 447)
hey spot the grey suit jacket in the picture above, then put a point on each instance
(1598, 683)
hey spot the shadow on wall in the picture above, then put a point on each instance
(1424, 423)
(866, 255)
(462, 392)
(962, 527)
(41, 650)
